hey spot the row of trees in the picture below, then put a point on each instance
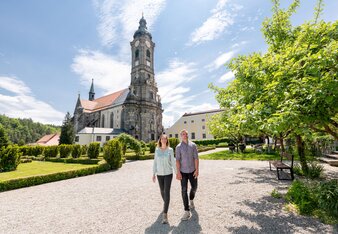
(24, 131)
(289, 91)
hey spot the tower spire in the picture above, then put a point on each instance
(91, 92)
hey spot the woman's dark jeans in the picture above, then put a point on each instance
(165, 184)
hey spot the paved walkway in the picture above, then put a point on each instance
(232, 197)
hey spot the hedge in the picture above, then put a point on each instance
(9, 158)
(143, 157)
(41, 179)
(74, 160)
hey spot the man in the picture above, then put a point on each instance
(187, 169)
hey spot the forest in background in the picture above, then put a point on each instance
(24, 131)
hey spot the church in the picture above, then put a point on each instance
(136, 110)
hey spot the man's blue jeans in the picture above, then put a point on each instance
(184, 188)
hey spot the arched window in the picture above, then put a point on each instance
(137, 53)
(148, 54)
(112, 120)
(102, 121)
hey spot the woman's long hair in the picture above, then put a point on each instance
(159, 143)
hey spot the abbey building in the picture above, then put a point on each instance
(136, 110)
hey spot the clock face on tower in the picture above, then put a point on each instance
(148, 44)
(137, 43)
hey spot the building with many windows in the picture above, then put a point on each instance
(195, 124)
(136, 110)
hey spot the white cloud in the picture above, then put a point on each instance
(239, 44)
(117, 19)
(215, 25)
(108, 73)
(226, 77)
(24, 105)
(221, 60)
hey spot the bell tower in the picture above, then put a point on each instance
(143, 108)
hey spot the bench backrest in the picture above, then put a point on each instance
(287, 156)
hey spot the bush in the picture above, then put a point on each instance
(112, 153)
(327, 194)
(76, 152)
(84, 149)
(152, 147)
(93, 150)
(9, 158)
(315, 170)
(211, 141)
(302, 195)
(127, 141)
(174, 142)
(36, 150)
(74, 160)
(51, 151)
(65, 150)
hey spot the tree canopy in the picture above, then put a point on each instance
(67, 135)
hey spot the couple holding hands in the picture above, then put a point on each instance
(185, 166)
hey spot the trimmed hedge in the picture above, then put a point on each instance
(65, 150)
(74, 160)
(9, 158)
(51, 151)
(140, 157)
(112, 153)
(93, 150)
(41, 179)
(212, 141)
(152, 146)
(76, 152)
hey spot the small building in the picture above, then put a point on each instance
(51, 139)
(89, 134)
(195, 124)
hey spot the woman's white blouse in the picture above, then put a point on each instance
(164, 162)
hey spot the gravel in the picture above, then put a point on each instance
(232, 197)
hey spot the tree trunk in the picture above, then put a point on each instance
(282, 144)
(301, 153)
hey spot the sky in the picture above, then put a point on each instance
(51, 50)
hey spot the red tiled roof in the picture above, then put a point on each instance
(52, 139)
(101, 102)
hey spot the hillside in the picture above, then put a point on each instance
(23, 131)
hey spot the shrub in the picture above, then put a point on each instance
(302, 196)
(327, 194)
(93, 150)
(9, 158)
(128, 141)
(112, 153)
(65, 150)
(4, 140)
(315, 170)
(152, 146)
(76, 152)
(51, 151)
(174, 142)
(276, 194)
(36, 150)
(84, 149)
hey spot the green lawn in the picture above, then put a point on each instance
(249, 155)
(40, 168)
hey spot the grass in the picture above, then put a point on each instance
(248, 155)
(40, 168)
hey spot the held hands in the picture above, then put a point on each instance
(178, 176)
(196, 174)
(154, 178)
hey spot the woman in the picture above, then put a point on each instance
(164, 164)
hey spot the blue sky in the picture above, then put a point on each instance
(50, 50)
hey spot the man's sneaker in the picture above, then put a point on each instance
(192, 205)
(165, 218)
(186, 216)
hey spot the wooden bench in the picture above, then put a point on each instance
(285, 163)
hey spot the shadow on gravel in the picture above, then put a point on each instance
(267, 214)
(158, 227)
(190, 226)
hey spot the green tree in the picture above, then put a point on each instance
(67, 131)
(4, 141)
(292, 88)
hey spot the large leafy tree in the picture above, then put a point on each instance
(4, 141)
(293, 87)
(67, 131)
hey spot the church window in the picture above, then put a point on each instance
(103, 121)
(137, 53)
(112, 120)
(148, 54)
(152, 136)
(151, 95)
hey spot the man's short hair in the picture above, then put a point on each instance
(184, 130)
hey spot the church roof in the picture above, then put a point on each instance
(105, 101)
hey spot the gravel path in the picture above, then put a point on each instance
(232, 197)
